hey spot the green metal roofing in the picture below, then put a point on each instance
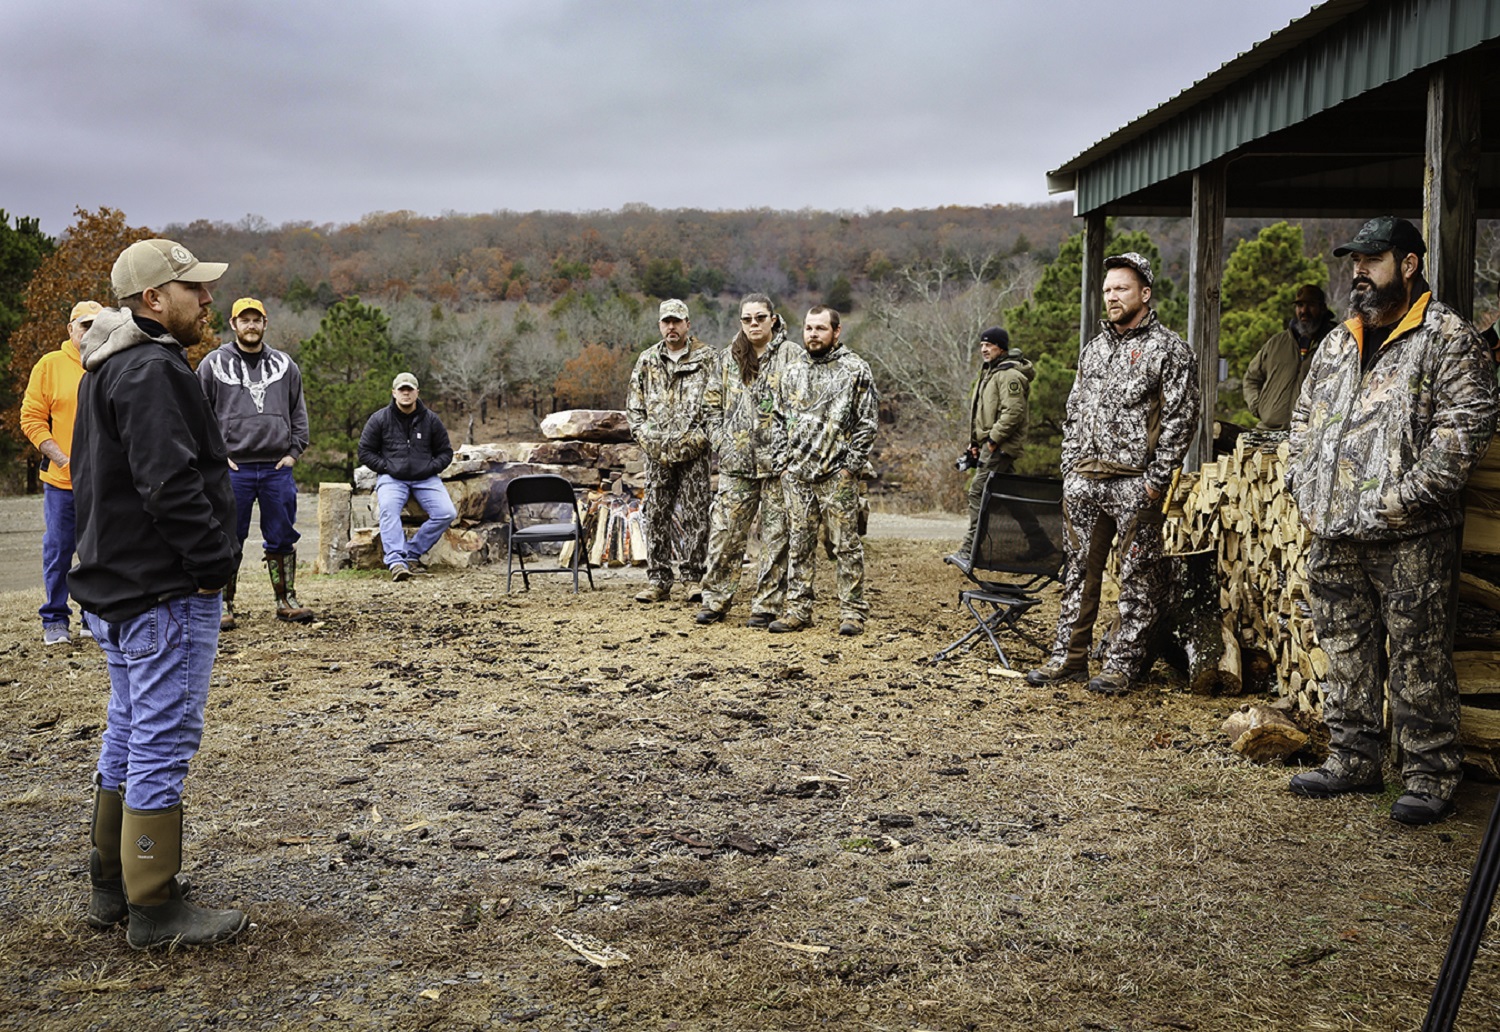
(1340, 50)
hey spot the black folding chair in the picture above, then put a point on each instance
(544, 489)
(1018, 551)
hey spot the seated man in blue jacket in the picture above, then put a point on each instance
(407, 446)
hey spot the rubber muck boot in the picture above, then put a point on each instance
(283, 567)
(107, 906)
(150, 857)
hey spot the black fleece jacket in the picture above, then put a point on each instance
(412, 447)
(150, 474)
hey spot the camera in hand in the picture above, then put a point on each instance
(968, 460)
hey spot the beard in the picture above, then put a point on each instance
(1371, 302)
(1305, 327)
(185, 327)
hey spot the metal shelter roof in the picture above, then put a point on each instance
(1327, 117)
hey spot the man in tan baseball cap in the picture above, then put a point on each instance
(149, 560)
(47, 412)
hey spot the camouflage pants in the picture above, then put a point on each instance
(733, 511)
(1095, 512)
(1370, 601)
(679, 488)
(808, 505)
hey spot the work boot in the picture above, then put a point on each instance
(654, 593)
(107, 906)
(1057, 671)
(1419, 808)
(151, 855)
(787, 625)
(226, 618)
(708, 616)
(850, 626)
(1325, 783)
(759, 621)
(1109, 682)
(283, 567)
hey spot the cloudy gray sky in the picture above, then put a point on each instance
(325, 110)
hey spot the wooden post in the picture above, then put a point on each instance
(1205, 275)
(1451, 183)
(1093, 277)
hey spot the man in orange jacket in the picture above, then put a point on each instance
(47, 411)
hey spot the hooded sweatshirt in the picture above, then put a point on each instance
(258, 403)
(150, 474)
(49, 407)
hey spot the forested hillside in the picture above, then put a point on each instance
(524, 313)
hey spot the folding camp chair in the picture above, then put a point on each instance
(544, 489)
(1018, 551)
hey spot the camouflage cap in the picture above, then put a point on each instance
(1131, 260)
(1384, 233)
(673, 309)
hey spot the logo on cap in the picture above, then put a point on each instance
(180, 254)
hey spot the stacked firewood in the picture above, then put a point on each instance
(1239, 506)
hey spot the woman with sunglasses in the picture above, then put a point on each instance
(737, 407)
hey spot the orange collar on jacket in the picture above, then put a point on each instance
(1410, 321)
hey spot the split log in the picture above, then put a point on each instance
(1263, 734)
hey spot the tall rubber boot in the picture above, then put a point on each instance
(151, 855)
(283, 567)
(107, 906)
(226, 619)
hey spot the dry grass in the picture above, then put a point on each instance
(782, 834)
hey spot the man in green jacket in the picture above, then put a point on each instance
(1276, 372)
(997, 421)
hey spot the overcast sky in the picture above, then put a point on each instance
(326, 110)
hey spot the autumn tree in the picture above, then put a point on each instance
(598, 376)
(76, 270)
(347, 368)
(1260, 283)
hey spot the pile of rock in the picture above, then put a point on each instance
(590, 448)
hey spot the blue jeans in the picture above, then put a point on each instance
(276, 490)
(159, 665)
(58, 541)
(391, 495)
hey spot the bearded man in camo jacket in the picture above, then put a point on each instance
(1398, 406)
(1130, 418)
(738, 405)
(824, 423)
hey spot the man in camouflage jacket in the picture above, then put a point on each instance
(1130, 417)
(824, 423)
(665, 410)
(738, 405)
(1398, 406)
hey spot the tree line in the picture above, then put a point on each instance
(528, 313)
